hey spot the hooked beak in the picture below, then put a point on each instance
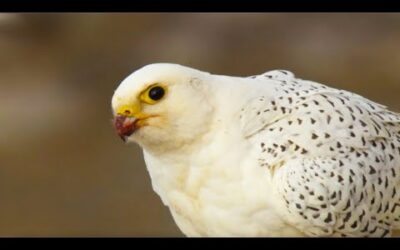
(125, 125)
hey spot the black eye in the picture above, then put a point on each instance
(156, 93)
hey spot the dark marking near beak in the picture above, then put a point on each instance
(125, 126)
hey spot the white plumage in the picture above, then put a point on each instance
(267, 155)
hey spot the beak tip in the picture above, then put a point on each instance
(124, 126)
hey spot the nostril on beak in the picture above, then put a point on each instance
(127, 112)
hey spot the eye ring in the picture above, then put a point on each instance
(153, 94)
(156, 93)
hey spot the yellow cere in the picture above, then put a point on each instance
(129, 110)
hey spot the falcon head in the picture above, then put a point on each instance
(162, 105)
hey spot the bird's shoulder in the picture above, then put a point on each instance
(282, 96)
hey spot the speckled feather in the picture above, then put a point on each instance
(334, 156)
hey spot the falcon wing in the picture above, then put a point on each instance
(334, 156)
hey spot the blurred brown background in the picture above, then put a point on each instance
(63, 170)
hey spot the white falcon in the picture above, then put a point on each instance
(266, 155)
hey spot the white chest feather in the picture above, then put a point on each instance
(218, 192)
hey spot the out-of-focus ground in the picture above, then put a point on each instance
(63, 170)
